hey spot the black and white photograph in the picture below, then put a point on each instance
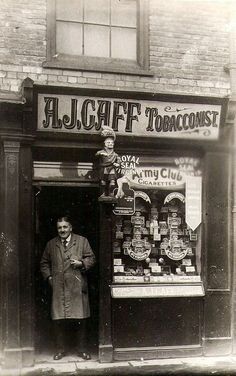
(117, 187)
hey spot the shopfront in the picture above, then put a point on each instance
(162, 284)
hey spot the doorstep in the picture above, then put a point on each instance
(73, 366)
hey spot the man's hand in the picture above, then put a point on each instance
(76, 263)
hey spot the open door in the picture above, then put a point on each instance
(81, 204)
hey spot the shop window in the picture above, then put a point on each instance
(99, 35)
(157, 227)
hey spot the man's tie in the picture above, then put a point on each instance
(65, 244)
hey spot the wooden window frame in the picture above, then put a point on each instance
(96, 64)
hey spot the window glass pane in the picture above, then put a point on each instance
(69, 38)
(69, 10)
(96, 11)
(158, 242)
(123, 43)
(96, 41)
(123, 12)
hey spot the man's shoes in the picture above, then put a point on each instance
(59, 355)
(84, 355)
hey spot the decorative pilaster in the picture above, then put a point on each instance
(10, 250)
(26, 255)
(105, 308)
(232, 107)
(232, 120)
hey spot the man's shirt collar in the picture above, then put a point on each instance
(67, 240)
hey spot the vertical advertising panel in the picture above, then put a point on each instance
(193, 205)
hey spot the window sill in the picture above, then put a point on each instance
(101, 65)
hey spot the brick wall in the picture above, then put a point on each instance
(189, 48)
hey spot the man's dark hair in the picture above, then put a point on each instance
(65, 218)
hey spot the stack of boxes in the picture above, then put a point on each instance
(154, 245)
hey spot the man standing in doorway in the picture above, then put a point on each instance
(64, 264)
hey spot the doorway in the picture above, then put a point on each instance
(82, 205)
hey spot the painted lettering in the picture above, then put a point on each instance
(51, 113)
(116, 115)
(84, 114)
(71, 122)
(103, 113)
(131, 116)
(150, 113)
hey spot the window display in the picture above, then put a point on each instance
(155, 243)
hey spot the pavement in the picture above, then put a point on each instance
(74, 366)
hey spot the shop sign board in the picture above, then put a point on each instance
(156, 177)
(125, 204)
(152, 177)
(130, 117)
(155, 291)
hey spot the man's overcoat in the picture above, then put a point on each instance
(69, 286)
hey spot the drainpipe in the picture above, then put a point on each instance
(232, 120)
